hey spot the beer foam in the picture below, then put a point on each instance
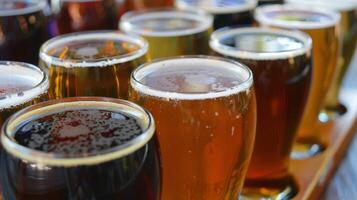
(85, 120)
(341, 5)
(92, 35)
(20, 83)
(10, 8)
(269, 16)
(198, 82)
(218, 6)
(219, 35)
(136, 22)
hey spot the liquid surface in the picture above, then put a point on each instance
(78, 132)
(92, 49)
(15, 84)
(262, 42)
(192, 79)
(300, 16)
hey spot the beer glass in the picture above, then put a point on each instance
(80, 148)
(84, 15)
(95, 63)
(21, 84)
(23, 28)
(170, 32)
(146, 4)
(205, 114)
(281, 64)
(323, 27)
(348, 25)
(225, 12)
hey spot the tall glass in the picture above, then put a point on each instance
(170, 32)
(225, 12)
(23, 28)
(281, 64)
(205, 115)
(80, 148)
(84, 15)
(348, 24)
(92, 63)
(323, 27)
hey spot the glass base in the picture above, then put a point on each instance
(282, 192)
(304, 149)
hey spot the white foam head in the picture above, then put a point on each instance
(242, 74)
(265, 16)
(89, 36)
(340, 5)
(144, 119)
(218, 7)
(33, 78)
(7, 9)
(217, 45)
(203, 22)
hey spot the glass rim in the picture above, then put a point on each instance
(217, 10)
(343, 5)
(36, 6)
(138, 85)
(217, 46)
(28, 94)
(11, 125)
(87, 35)
(261, 11)
(205, 19)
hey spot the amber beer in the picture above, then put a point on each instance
(225, 12)
(83, 15)
(281, 64)
(146, 4)
(348, 25)
(92, 63)
(170, 32)
(204, 108)
(21, 84)
(323, 27)
(80, 148)
(23, 28)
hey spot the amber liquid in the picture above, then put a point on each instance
(107, 81)
(146, 4)
(86, 15)
(205, 143)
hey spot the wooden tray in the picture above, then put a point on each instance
(313, 174)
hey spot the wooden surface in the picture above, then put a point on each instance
(343, 185)
(315, 174)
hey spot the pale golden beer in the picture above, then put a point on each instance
(323, 27)
(225, 12)
(205, 114)
(281, 64)
(348, 24)
(21, 84)
(92, 63)
(170, 32)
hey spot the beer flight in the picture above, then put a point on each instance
(172, 100)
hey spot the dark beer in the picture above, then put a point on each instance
(23, 28)
(281, 64)
(226, 12)
(323, 27)
(170, 32)
(205, 113)
(265, 2)
(83, 15)
(80, 148)
(21, 85)
(92, 63)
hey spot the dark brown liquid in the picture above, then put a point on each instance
(85, 15)
(22, 33)
(107, 80)
(282, 86)
(146, 4)
(82, 133)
